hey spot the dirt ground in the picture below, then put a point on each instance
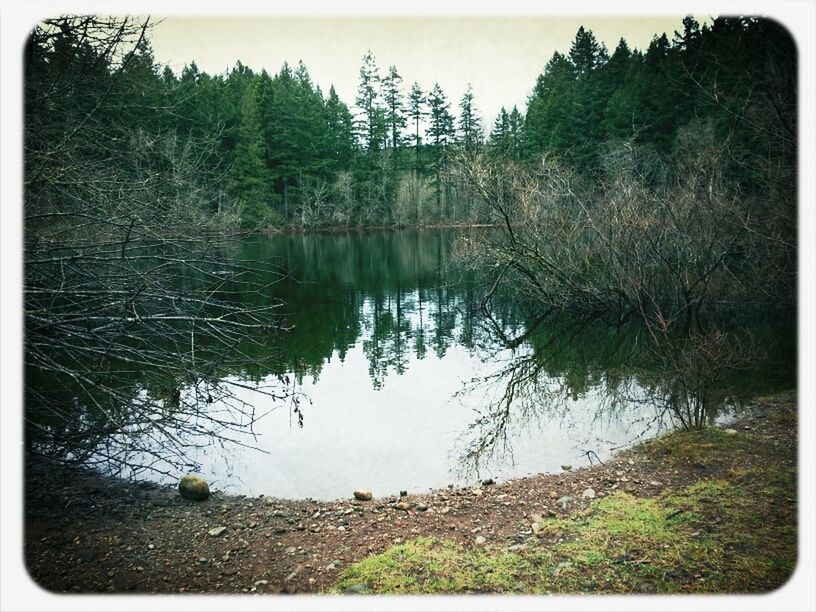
(85, 533)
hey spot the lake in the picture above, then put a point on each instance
(404, 386)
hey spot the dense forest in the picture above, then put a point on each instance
(274, 150)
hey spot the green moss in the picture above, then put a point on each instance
(733, 533)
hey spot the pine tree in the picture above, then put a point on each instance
(371, 125)
(394, 111)
(416, 112)
(470, 127)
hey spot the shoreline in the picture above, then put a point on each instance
(114, 536)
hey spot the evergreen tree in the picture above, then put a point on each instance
(371, 125)
(416, 112)
(394, 111)
(470, 128)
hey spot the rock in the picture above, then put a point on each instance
(356, 589)
(402, 506)
(403, 493)
(655, 483)
(481, 540)
(258, 583)
(564, 500)
(229, 571)
(731, 432)
(553, 494)
(566, 467)
(193, 488)
(515, 547)
(422, 507)
(487, 482)
(444, 510)
(476, 492)
(588, 494)
(536, 527)
(363, 495)
(217, 531)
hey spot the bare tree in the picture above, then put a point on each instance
(140, 324)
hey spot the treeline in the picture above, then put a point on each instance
(274, 149)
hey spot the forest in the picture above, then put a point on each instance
(267, 150)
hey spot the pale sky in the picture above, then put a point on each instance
(500, 56)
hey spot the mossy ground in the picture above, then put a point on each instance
(732, 530)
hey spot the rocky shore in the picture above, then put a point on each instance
(86, 533)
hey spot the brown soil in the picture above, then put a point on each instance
(85, 533)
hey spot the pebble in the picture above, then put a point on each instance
(363, 495)
(216, 531)
(588, 494)
(402, 506)
(553, 494)
(422, 507)
(403, 493)
(481, 540)
(566, 467)
(564, 500)
(731, 432)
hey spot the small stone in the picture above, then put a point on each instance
(193, 488)
(403, 493)
(564, 500)
(481, 540)
(731, 432)
(566, 467)
(476, 492)
(588, 494)
(229, 571)
(536, 527)
(291, 550)
(655, 483)
(356, 589)
(203, 560)
(216, 531)
(422, 507)
(553, 494)
(261, 583)
(402, 506)
(363, 495)
(444, 510)
(487, 482)
(515, 547)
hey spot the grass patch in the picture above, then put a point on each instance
(734, 532)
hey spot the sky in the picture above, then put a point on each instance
(500, 56)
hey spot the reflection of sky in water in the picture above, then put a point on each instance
(409, 431)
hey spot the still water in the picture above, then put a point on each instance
(403, 386)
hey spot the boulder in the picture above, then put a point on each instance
(363, 495)
(193, 488)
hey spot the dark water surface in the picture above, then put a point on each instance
(404, 386)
